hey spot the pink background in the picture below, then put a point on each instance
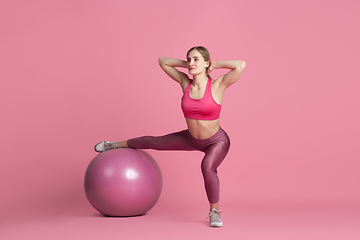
(77, 72)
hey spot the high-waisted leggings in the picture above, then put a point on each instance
(215, 148)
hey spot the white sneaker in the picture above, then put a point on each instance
(104, 146)
(214, 218)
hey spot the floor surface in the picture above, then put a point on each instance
(249, 221)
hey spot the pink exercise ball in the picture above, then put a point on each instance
(123, 182)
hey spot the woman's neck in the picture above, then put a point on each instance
(200, 80)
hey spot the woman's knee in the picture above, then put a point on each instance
(207, 168)
(214, 157)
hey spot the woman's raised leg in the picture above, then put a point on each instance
(172, 141)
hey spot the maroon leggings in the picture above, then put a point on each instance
(215, 148)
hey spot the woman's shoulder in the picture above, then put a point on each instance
(216, 81)
(184, 83)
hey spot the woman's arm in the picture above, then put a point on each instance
(169, 66)
(236, 66)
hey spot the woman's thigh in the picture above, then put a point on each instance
(172, 141)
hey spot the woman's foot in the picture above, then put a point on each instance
(214, 218)
(104, 146)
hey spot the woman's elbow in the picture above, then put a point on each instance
(242, 64)
(161, 60)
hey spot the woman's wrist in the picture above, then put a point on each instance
(213, 65)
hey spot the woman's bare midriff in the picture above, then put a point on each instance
(201, 129)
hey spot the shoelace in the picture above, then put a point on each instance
(109, 145)
(213, 213)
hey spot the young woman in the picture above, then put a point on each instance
(201, 105)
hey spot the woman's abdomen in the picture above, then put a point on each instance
(202, 129)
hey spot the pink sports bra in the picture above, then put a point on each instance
(204, 108)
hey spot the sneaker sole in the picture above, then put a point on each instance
(216, 225)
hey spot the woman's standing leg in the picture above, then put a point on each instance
(214, 155)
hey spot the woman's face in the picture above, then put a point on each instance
(196, 63)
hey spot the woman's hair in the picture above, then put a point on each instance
(204, 53)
